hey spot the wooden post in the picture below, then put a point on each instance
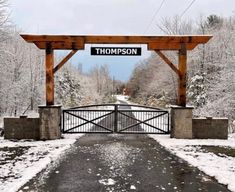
(182, 76)
(49, 75)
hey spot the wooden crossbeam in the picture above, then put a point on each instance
(108, 39)
(52, 38)
(167, 61)
(145, 39)
(181, 43)
(64, 60)
(154, 42)
(61, 45)
(170, 46)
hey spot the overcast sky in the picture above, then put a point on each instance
(119, 17)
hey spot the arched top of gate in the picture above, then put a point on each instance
(111, 106)
(77, 42)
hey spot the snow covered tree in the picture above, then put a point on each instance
(103, 82)
(20, 75)
(211, 69)
(68, 88)
(196, 90)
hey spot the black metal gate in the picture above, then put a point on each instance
(115, 118)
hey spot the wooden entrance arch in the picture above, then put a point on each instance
(155, 43)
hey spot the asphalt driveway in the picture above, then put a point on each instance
(114, 162)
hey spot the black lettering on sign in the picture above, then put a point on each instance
(116, 51)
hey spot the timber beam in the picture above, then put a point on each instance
(63, 61)
(64, 42)
(181, 72)
(170, 46)
(180, 43)
(183, 76)
(167, 61)
(61, 45)
(49, 75)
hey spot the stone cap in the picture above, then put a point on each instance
(181, 107)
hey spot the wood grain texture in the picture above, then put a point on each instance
(49, 75)
(63, 61)
(167, 61)
(183, 76)
(153, 42)
(181, 43)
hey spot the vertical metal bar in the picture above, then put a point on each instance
(85, 115)
(102, 122)
(145, 116)
(90, 115)
(86, 128)
(89, 127)
(71, 121)
(129, 122)
(106, 122)
(74, 120)
(168, 123)
(154, 121)
(63, 121)
(158, 122)
(77, 121)
(79, 113)
(115, 118)
(112, 122)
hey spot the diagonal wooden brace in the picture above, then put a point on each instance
(171, 65)
(64, 60)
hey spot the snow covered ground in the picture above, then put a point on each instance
(22, 160)
(219, 166)
(122, 98)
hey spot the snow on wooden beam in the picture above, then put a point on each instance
(154, 42)
(182, 43)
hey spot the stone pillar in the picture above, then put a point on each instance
(181, 122)
(50, 118)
